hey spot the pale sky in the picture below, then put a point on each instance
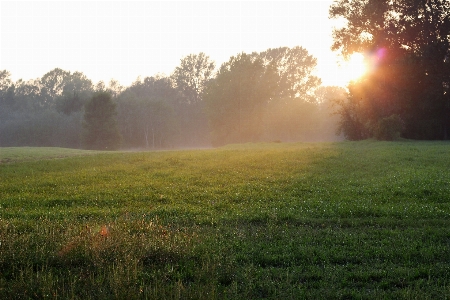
(123, 40)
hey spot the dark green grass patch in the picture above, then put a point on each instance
(366, 220)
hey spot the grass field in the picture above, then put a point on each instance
(350, 220)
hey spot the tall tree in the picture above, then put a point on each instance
(408, 44)
(251, 92)
(115, 88)
(235, 99)
(29, 96)
(146, 113)
(52, 85)
(294, 67)
(190, 78)
(100, 124)
(192, 74)
(6, 89)
(5, 81)
(67, 91)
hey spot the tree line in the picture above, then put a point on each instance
(258, 97)
(266, 96)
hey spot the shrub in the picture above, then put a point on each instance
(389, 128)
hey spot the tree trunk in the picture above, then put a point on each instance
(153, 137)
(146, 136)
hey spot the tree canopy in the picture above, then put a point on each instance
(251, 93)
(146, 113)
(191, 75)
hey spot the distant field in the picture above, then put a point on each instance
(17, 154)
(345, 220)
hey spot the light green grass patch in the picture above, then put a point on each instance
(17, 154)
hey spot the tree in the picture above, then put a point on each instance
(115, 88)
(158, 122)
(52, 85)
(30, 111)
(67, 91)
(329, 95)
(407, 43)
(28, 96)
(294, 67)
(236, 97)
(53, 81)
(6, 90)
(190, 79)
(100, 86)
(191, 76)
(251, 93)
(68, 104)
(146, 113)
(99, 124)
(5, 82)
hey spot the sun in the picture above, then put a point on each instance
(354, 68)
(341, 72)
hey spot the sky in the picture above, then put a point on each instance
(122, 40)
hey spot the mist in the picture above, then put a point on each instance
(191, 108)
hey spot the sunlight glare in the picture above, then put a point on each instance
(342, 72)
(356, 67)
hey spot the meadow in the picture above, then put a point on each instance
(348, 220)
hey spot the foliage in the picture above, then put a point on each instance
(5, 84)
(251, 92)
(146, 113)
(60, 85)
(100, 124)
(191, 76)
(190, 79)
(264, 96)
(294, 67)
(275, 221)
(330, 95)
(31, 116)
(69, 103)
(41, 128)
(236, 97)
(407, 44)
(389, 128)
(299, 121)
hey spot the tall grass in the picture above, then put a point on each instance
(275, 221)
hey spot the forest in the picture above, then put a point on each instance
(258, 97)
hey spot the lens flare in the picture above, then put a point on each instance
(381, 53)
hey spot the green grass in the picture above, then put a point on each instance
(350, 220)
(18, 154)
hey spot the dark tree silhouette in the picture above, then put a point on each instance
(100, 125)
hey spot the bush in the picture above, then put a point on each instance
(389, 128)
